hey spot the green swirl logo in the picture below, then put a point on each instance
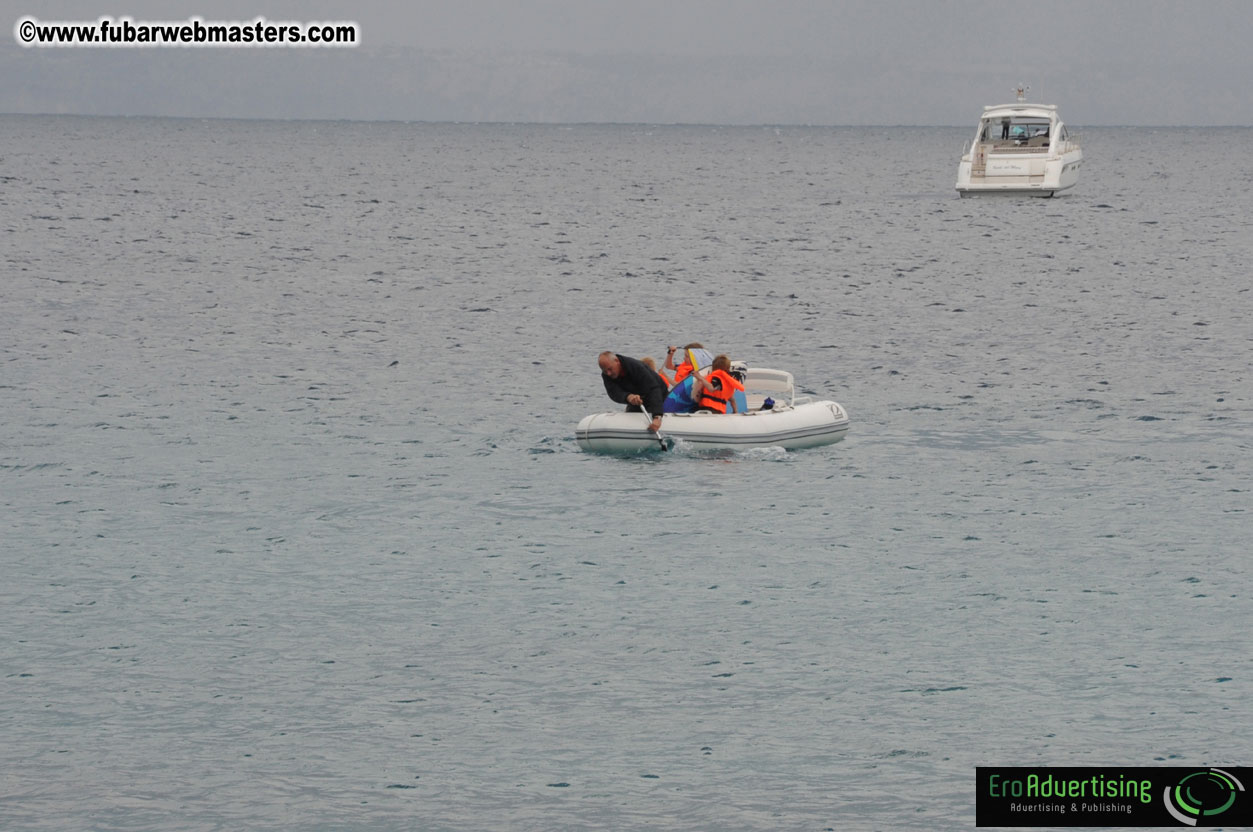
(1201, 796)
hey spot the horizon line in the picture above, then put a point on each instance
(524, 123)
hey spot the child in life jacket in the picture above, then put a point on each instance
(717, 388)
(684, 367)
(652, 365)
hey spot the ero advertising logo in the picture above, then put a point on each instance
(1113, 796)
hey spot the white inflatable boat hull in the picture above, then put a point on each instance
(807, 425)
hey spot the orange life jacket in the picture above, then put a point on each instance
(682, 371)
(663, 378)
(718, 391)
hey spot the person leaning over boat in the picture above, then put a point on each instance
(716, 389)
(628, 381)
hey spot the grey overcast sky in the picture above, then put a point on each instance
(830, 62)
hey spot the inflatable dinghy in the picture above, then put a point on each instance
(775, 417)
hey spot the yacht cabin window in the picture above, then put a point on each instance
(1017, 130)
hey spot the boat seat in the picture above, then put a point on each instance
(760, 382)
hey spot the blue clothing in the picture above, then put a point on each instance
(680, 398)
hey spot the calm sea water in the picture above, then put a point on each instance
(295, 534)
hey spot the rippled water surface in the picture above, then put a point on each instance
(295, 533)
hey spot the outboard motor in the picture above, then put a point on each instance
(739, 371)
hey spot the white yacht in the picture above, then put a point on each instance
(1020, 149)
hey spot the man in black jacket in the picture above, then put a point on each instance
(628, 381)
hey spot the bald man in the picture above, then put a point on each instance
(629, 381)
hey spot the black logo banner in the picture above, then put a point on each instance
(1114, 796)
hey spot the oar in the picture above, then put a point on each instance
(661, 440)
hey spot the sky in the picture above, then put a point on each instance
(829, 62)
